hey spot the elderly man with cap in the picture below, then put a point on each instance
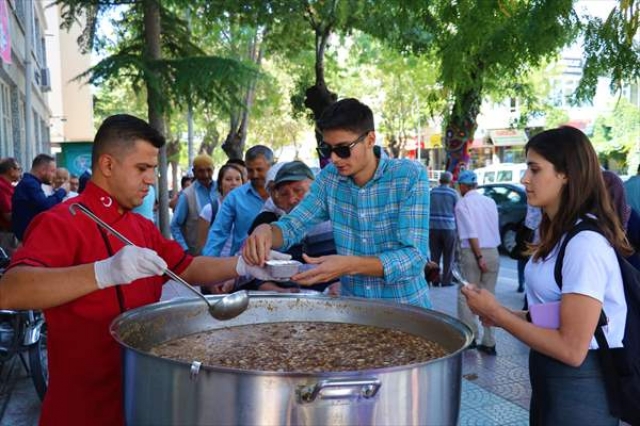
(184, 225)
(477, 220)
(442, 226)
(290, 185)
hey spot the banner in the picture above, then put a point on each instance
(5, 33)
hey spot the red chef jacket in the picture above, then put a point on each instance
(85, 364)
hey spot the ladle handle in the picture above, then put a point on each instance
(118, 235)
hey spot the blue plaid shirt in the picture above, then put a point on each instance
(387, 218)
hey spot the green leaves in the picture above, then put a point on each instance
(611, 50)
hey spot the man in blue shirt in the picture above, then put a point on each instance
(148, 206)
(379, 208)
(29, 199)
(632, 188)
(241, 206)
(442, 233)
(184, 224)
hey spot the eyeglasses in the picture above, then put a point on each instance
(343, 150)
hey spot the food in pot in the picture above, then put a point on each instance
(304, 347)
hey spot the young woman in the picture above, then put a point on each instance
(230, 176)
(564, 179)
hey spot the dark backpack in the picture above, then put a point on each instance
(621, 366)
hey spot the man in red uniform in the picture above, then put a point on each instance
(83, 277)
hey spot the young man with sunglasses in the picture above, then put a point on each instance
(379, 208)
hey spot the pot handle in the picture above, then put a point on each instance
(340, 388)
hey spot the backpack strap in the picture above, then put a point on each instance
(584, 225)
(610, 373)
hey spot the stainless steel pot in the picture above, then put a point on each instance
(165, 392)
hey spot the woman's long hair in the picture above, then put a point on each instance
(571, 153)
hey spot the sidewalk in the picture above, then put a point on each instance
(495, 390)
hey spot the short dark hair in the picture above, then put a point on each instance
(259, 151)
(118, 132)
(184, 180)
(73, 176)
(347, 114)
(41, 159)
(7, 164)
(238, 161)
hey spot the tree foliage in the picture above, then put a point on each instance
(483, 47)
(612, 49)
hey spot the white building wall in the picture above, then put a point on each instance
(71, 101)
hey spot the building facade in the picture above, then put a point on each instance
(24, 81)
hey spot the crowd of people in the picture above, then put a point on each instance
(365, 226)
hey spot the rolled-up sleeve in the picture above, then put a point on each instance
(413, 235)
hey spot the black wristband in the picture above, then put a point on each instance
(478, 257)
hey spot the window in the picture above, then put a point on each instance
(505, 175)
(6, 143)
(21, 11)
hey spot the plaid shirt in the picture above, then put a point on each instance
(387, 218)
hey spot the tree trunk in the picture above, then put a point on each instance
(460, 129)
(234, 144)
(152, 53)
(173, 158)
(210, 140)
(318, 97)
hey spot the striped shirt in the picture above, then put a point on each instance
(443, 204)
(387, 218)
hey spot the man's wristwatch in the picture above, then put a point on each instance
(478, 257)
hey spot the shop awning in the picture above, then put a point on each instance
(508, 137)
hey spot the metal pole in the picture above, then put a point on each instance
(190, 134)
(189, 111)
(419, 136)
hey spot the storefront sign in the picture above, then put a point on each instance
(508, 137)
(5, 33)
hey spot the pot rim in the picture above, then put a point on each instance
(130, 315)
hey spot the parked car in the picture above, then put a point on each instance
(511, 199)
(501, 173)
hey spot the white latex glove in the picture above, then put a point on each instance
(243, 269)
(127, 265)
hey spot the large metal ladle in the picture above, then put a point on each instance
(228, 307)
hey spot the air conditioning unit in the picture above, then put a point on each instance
(45, 80)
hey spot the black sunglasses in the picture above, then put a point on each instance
(342, 150)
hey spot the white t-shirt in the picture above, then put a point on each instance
(590, 267)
